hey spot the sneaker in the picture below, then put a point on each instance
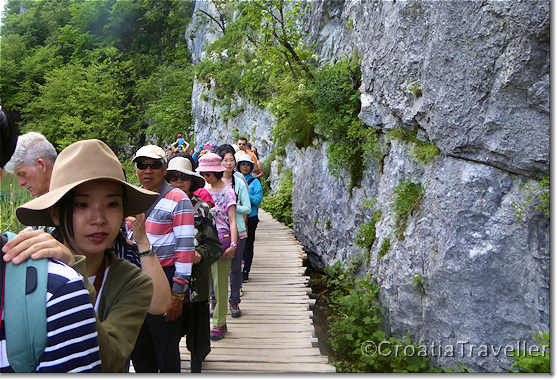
(245, 276)
(212, 309)
(217, 333)
(235, 310)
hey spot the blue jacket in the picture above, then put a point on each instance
(255, 194)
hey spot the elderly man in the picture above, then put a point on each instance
(170, 230)
(32, 163)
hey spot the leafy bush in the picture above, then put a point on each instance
(356, 324)
(279, 204)
(535, 195)
(407, 199)
(385, 246)
(538, 362)
(419, 283)
(365, 237)
(336, 97)
(423, 152)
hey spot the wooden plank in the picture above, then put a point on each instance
(249, 352)
(267, 367)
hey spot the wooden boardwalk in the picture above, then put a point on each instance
(275, 333)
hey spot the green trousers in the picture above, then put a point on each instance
(220, 271)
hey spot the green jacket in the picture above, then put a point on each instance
(124, 302)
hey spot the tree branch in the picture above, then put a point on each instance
(221, 26)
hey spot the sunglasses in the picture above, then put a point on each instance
(245, 163)
(206, 174)
(152, 165)
(177, 177)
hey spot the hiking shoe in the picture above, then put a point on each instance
(217, 333)
(235, 310)
(212, 309)
(245, 276)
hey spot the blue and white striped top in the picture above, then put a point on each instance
(71, 344)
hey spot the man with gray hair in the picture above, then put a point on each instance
(32, 163)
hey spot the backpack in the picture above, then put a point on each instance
(207, 224)
(24, 311)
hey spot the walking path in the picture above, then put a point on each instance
(275, 333)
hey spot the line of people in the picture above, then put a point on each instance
(147, 253)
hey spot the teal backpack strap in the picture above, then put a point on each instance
(25, 313)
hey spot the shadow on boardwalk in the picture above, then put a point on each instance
(275, 333)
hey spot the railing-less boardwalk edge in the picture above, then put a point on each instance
(275, 333)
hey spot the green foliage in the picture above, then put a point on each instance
(261, 57)
(328, 224)
(367, 203)
(78, 102)
(415, 88)
(407, 199)
(365, 237)
(418, 282)
(537, 362)
(129, 169)
(166, 95)
(423, 152)
(336, 97)
(294, 112)
(385, 246)
(356, 327)
(117, 70)
(279, 204)
(11, 197)
(536, 195)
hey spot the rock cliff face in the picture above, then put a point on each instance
(473, 77)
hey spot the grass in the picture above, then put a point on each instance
(11, 197)
(408, 196)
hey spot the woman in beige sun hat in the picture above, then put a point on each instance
(87, 202)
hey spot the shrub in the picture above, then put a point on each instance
(407, 199)
(356, 325)
(423, 152)
(535, 361)
(419, 283)
(385, 246)
(337, 104)
(365, 237)
(279, 204)
(535, 195)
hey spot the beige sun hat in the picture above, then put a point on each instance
(183, 165)
(81, 162)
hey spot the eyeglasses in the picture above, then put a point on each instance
(177, 177)
(153, 165)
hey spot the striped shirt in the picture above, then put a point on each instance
(170, 231)
(71, 344)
